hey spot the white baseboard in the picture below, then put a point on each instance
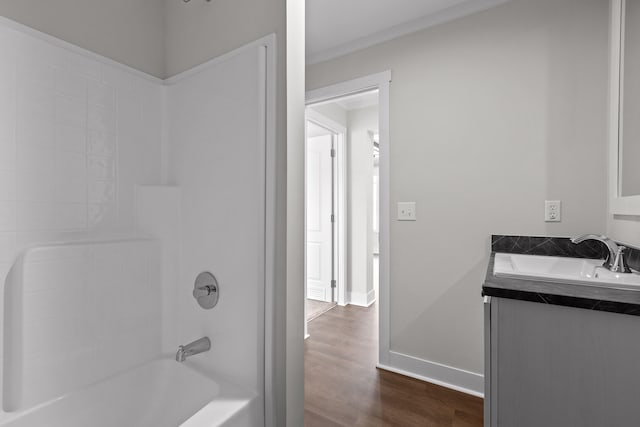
(362, 299)
(435, 373)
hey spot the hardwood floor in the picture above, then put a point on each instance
(317, 308)
(344, 388)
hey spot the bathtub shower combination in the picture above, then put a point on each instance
(133, 238)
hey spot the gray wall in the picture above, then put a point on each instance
(490, 115)
(127, 31)
(159, 37)
(627, 228)
(199, 31)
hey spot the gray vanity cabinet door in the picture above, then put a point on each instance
(562, 366)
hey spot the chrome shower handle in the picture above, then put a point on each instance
(204, 291)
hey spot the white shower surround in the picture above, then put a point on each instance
(217, 152)
(93, 162)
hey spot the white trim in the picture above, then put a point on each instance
(270, 43)
(362, 299)
(304, 232)
(400, 30)
(16, 26)
(380, 81)
(619, 205)
(362, 84)
(436, 373)
(384, 251)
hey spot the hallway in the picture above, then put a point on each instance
(344, 388)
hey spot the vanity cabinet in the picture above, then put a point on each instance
(554, 365)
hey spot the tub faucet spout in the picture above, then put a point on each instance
(198, 346)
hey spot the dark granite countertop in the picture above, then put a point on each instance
(572, 294)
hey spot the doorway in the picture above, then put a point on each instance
(316, 98)
(354, 330)
(342, 203)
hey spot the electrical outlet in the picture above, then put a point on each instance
(406, 211)
(552, 211)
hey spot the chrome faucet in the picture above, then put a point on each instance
(615, 259)
(198, 346)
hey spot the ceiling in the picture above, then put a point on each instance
(337, 27)
(358, 101)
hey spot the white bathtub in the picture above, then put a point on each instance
(161, 393)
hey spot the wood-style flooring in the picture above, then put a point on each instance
(344, 388)
(316, 308)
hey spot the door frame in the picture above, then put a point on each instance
(380, 81)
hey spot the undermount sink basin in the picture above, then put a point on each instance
(551, 268)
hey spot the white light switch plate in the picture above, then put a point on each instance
(552, 211)
(406, 211)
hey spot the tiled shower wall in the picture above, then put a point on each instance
(76, 135)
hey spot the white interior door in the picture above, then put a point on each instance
(319, 192)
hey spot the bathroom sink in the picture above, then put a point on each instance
(550, 268)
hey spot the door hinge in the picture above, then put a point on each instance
(333, 152)
(333, 283)
(333, 218)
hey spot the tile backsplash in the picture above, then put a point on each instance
(558, 246)
(549, 246)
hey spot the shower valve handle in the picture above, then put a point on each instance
(204, 291)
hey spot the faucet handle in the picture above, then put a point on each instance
(619, 264)
(204, 291)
